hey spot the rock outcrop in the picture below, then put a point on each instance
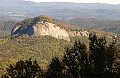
(44, 26)
(79, 33)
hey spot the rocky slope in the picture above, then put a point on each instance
(44, 25)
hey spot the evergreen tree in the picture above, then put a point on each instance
(110, 60)
(97, 49)
(55, 69)
(102, 57)
(28, 69)
(76, 60)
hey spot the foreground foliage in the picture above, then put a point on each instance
(42, 49)
(27, 69)
(100, 61)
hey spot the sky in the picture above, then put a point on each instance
(81, 1)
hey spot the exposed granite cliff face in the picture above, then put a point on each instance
(37, 28)
(50, 29)
(44, 28)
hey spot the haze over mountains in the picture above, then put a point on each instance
(20, 9)
(12, 11)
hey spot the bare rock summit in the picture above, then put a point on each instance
(44, 25)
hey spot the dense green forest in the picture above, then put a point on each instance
(99, 61)
(42, 49)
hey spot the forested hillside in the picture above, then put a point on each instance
(81, 40)
(42, 49)
(58, 60)
(92, 23)
(6, 26)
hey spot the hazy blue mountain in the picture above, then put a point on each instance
(20, 9)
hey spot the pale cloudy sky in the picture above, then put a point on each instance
(84, 1)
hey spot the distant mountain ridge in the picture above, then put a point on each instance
(63, 4)
(15, 2)
(58, 10)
